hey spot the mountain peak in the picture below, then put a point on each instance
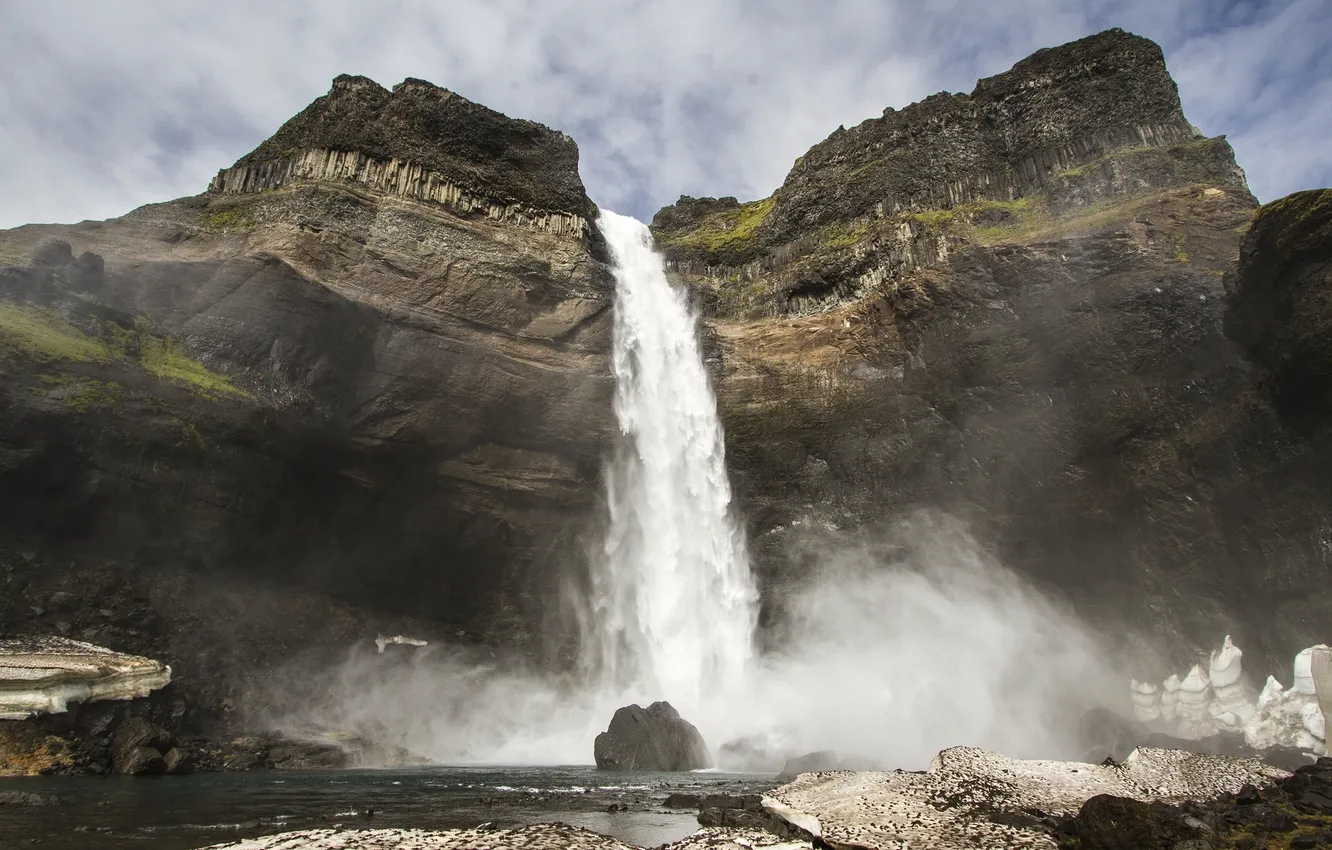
(507, 159)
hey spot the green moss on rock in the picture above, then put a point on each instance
(728, 235)
(81, 394)
(41, 335)
(230, 217)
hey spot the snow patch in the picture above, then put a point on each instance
(42, 675)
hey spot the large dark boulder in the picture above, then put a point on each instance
(1117, 823)
(138, 747)
(652, 738)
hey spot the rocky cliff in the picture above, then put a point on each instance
(1012, 306)
(358, 386)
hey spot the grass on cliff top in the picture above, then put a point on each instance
(1303, 219)
(727, 230)
(43, 336)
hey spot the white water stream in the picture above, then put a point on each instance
(674, 602)
(885, 658)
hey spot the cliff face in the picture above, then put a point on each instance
(1011, 306)
(359, 386)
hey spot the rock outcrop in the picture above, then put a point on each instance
(652, 738)
(1293, 812)
(975, 799)
(1029, 307)
(360, 387)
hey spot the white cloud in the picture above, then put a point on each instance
(107, 106)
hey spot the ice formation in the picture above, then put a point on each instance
(1205, 703)
(42, 675)
(381, 642)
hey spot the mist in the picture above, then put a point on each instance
(894, 649)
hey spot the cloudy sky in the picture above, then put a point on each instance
(108, 105)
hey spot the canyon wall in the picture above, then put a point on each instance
(1012, 306)
(347, 391)
(360, 386)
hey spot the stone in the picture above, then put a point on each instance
(178, 761)
(978, 800)
(28, 798)
(682, 801)
(140, 761)
(733, 818)
(87, 273)
(137, 747)
(53, 253)
(652, 738)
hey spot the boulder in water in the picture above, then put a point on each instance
(138, 746)
(652, 738)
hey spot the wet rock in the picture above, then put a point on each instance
(140, 761)
(754, 802)
(733, 818)
(28, 798)
(306, 755)
(1116, 823)
(682, 801)
(138, 746)
(178, 762)
(652, 738)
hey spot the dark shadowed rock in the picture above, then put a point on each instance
(682, 801)
(28, 798)
(1116, 823)
(138, 747)
(440, 131)
(178, 761)
(53, 253)
(652, 738)
(140, 761)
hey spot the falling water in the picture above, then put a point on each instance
(675, 602)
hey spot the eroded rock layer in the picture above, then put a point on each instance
(1023, 307)
(251, 428)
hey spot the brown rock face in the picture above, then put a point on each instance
(1011, 307)
(250, 425)
(361, 385)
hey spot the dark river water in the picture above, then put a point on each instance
(178, 812)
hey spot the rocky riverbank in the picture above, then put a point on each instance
(967, 799)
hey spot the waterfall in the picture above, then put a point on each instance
(674, 601)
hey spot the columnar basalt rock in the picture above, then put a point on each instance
(395, 177)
